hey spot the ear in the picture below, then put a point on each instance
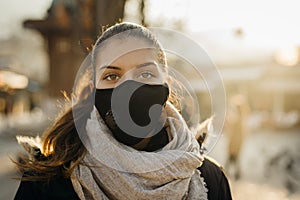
(169, 80)
(91, 85)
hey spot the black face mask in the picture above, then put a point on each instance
(133, 107)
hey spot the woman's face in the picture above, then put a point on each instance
(130, 59)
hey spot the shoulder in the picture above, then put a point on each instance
(215, 179)
(211, 167)
(58, 188)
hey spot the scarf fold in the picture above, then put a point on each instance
(112, 170)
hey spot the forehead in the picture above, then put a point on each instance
(114, 49)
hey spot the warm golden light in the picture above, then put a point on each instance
(287, 56)
(13, 80)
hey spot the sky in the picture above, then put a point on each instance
(13, 12)
(270, 21)
(274, 21)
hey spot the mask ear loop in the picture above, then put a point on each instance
(93, 81)
(93, 71)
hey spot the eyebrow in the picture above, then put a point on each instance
(119, 68)
(109, 67)
(146, 64)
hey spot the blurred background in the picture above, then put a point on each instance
(254, 44)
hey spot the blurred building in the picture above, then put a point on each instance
(70, 27)
(69, 30)
(268, 77)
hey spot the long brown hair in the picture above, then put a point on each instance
(62, 149)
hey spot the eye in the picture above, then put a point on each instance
(111, 77)
(146, 75)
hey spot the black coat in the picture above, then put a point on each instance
(62, 189)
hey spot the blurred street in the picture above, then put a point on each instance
(29, 124)
(261, 177)
(8, 148)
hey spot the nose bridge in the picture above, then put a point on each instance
(128, 75)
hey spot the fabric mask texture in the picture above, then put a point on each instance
(143, 97)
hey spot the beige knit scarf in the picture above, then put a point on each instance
(115, 171)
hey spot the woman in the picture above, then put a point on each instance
(124, 138)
